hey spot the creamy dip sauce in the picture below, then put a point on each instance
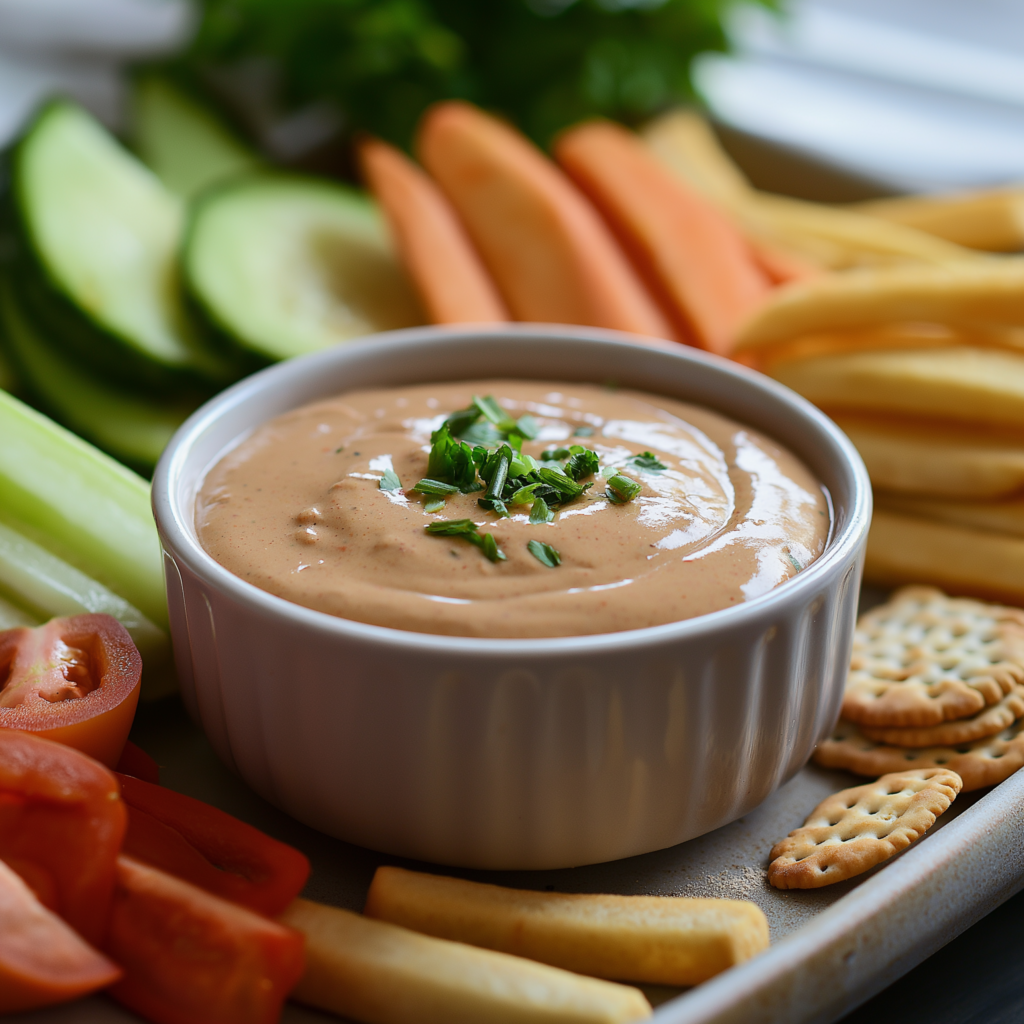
(297, 510)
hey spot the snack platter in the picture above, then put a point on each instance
(716, 713)
(832, 948)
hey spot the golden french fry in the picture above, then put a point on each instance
(985, 291)
(937, 459)
(991, 220)
(380, 973)
(909, 549)
(658, 939)
(974, 385)
(1005, 517)
(826, 236)
(847, 238)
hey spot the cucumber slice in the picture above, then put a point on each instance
(287, 265)
(81, 505)
(103, 233)
(131, 428)
(39, 580)
(183, 143)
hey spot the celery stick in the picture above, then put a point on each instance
(81, 505)
(11, 616)
(41, 580)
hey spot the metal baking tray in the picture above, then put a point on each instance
(832, 948)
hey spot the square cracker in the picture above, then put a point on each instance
(982, 763)
(925, 658)
(855, 829)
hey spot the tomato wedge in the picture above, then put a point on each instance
(62, 822)
(193, 958)
(42, 961)
(211, 849)
(73, 680)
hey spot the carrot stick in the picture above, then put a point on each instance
(544, 244)
(452, 282)
(688, 252)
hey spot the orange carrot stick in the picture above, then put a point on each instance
(688, 252)
(452, 282)
(544, 244)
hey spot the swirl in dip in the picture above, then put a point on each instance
(298, 509)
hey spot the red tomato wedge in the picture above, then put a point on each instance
(211, 849)
(42, 961)
(73, 680)
(62, 822)
(192, 958)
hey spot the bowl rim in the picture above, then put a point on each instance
(844, 542)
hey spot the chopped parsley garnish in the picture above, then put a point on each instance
(544, 553)
(648, 461)
(621, 489)
(467, 529)
(389, 481)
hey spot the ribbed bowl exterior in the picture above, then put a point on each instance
(513, 753)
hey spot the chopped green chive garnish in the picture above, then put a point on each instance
(428, 486)
(489, 546)
(389, 481)
(451, 528)
(544, 553)
(560, 483)
(466, 529)
(528, 426)
(433, 505)
(583, 463)
(498, 466)
(540, 513)
(648, 461)
(493, 413)
(621, 489)
(583, 432)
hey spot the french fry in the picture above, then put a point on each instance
(1005, 517)
(986, 291)
(380, 973)
(974, 385)
(828, 237)
(845, 238)
(991, 220)
(909, 549)
(937, 460)
(656, 939)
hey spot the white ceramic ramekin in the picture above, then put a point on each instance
(513, 753)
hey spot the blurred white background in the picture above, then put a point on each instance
(914, 94)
